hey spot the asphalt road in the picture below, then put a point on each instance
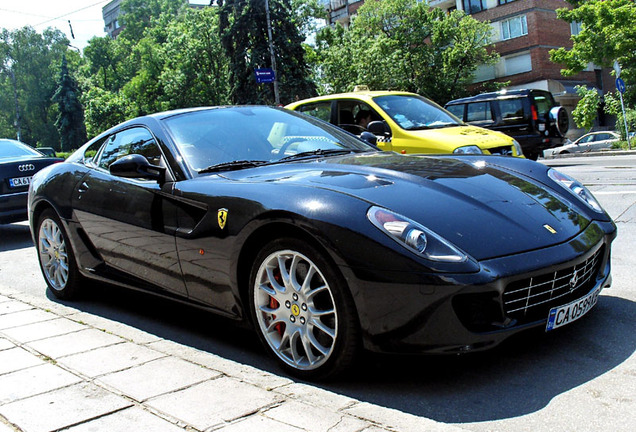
(579, 378)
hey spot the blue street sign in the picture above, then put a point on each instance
(620, 85)
(265, 75)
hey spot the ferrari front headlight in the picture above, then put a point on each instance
(575, 188)
(414, 236)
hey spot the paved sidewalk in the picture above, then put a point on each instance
(63, 369)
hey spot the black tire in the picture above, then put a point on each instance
(56, 257)
(306, 317)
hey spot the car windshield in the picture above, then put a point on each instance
(412, 112)
(11, 148)
(241, 137)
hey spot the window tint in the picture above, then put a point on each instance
(131, 141)
(544, 103)
(511, 109)
(478, 112)
(321, 110)
(456, 110)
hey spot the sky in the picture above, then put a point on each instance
(85, 16)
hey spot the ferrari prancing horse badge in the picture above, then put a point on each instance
(221, 216)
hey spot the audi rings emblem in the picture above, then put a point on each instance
(26, 167)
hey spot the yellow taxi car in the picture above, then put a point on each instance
(406, 123)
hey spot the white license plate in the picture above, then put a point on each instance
(19, 181)
(562, 315)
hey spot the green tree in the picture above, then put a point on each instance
(586, 110)
(33, 59)
(244, 36)
(70, 119)
(404, 44)
(607, 34)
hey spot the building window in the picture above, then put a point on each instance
(474, 6)
(505, 1)
(514, 27)
(576, 27)
(517, 64)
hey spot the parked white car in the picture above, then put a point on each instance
(592, 141)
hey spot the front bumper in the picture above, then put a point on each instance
(446, 313)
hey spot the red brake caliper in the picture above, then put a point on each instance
(273, 303)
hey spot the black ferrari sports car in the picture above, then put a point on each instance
(323, 243)
(18, 163)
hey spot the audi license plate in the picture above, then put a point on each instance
(19, 181)
(562, 315)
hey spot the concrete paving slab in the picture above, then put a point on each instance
(24, 317)
(34, 380)
(260, 424)
(125, 331)
(215, 402)
(157, 377)
(74, 343)
(245, 373)
(61, 408)
(131, 419)
(110, 359)
(43, 330)
(314, 419)
(5, 428)
(12, 306)
(15, 359)
(317, 397)
(6, 344)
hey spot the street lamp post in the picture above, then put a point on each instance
(271, 53)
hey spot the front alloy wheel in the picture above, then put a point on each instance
(55, 257)
(303, 314)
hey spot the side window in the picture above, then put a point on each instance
(130, 141)
(91, 154)
(588, 139)
(321, 110)
(511, 109)
(456, 110)
(478, 112)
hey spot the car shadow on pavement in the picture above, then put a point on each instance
(15, 236)
(519, 377)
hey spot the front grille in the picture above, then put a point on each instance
(501, 151)
(531, 299)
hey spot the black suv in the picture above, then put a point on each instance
(529, 116)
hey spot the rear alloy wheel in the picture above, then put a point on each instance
(304, 314)
(55, 256)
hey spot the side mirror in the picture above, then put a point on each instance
(369, 138)
(379, 128)
(136, 166)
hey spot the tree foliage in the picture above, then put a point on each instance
(70, 118)
(405, 45)
(33, 60)
(607, 34)
(244, 36)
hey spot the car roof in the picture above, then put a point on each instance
(496, 95)
(361, 94)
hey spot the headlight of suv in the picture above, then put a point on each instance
(414, 236)
(575, 188)
(471, 149)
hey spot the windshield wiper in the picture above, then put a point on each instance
(319, 152)
(231, 166)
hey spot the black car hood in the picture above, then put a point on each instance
(482, 208)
